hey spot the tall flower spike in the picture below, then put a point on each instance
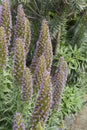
(18, 122)
(40, 69)
(3, 49)
(48, 55)
(27, 35)
(19, 31)
(6, 19)
(27, 85)
(44, 40)
(59, 82)
(19, 60)
(0, 13)
(43, 103)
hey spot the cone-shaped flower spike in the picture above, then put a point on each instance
(3, 49)
(19, 31)
(6, 19)
(42, 45)
(48, 55)
(27, 35)
(27, 85)
(43, 103)
(1, 13)
(40, 69)
(18, 122)
(59, 82)
(19, 61)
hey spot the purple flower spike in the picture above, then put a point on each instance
(43, 46)
(1, 13)
(19, 61)
(6, 19)
(3, 49)
(19, 31)
(27, 85)
(39, 71)
(59, 82)
(27, 35)
(18, 122)
(43, 103)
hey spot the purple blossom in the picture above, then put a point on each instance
(43, 46)
(6, 19)
(19, 31)
(27, 85)
(39, 71)
(27, 37)
(59, 81)
(19, 61)
(18, 122)
(3, 49)
(42, 108)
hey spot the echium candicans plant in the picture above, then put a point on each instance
(18, 122)
(19, 31)
(19, 61)
(43, 102)
(43, 43)
(27, 85)
(6, 19)
(59, 82)
(27, 39)
(39, 71)
(3, 49)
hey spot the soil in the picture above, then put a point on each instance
(80, 122)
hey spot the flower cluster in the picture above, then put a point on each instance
(19, 61)
(0, 13)
(27, 35)
(18, 122)
(43, 46)
(22, 28)
(59, 82)
(48, 55)
(6, 19)
(43, 103)
(3, 49)
(19, 31)
(40, 69)
(27, 85)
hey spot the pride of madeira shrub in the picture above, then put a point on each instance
(34, 93)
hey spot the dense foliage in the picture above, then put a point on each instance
(33, 72)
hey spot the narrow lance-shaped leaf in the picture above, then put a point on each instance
(18, 122)
(39, 127)
(3, 49)
(6, 19)
(43, 103)
(27, 85)
(59, 82)
(19, 61)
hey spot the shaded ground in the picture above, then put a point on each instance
(80, 122)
